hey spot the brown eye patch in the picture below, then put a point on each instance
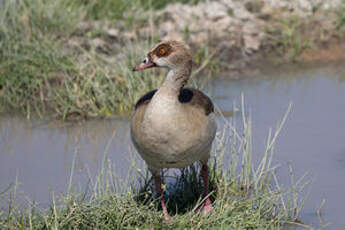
(162, 50)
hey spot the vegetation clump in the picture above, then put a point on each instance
(53, 64)
(245, 195)
(73, 59)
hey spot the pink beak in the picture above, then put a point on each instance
(147, 63)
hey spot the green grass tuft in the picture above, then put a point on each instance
(340, 12)
(56, 63)
(244, 196)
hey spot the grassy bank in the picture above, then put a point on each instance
(246, 195)
(73, 59)
(51, 65)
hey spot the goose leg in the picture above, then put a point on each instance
(208, 204)
(158, 184)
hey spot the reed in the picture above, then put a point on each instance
(245, 195)
(51, 67)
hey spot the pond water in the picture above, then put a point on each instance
(39, 154)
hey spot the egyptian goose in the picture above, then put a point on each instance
(172, 127)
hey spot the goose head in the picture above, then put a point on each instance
(168, 54)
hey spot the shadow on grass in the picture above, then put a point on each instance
(183, 189)
(244, 196)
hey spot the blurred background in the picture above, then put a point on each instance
(66, 83)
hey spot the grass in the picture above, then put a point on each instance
(340, 12)
(245, 195)
(116, 9)
(53, 67)
(289, 37)
(63, 60)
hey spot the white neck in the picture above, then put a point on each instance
(165, 100)
(177, 78)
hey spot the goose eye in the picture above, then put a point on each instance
(162, 51)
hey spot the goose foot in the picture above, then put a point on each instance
(208, 208)
(158, 184)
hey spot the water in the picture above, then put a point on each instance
(40, 154)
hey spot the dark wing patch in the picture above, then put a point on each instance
(196, 98)
(145, 99)
(185, 95)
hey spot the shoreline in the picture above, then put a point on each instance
(235, 35)
(77, 64)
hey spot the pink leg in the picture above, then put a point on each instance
(158, 184)
(207, 205)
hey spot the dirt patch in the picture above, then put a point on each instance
(328, 52)
(239, 32)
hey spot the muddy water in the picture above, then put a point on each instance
(39, 154)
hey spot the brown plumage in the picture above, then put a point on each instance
(192, 97)
(172, 127)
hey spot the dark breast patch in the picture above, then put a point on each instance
(191, 96)
(196, 98)
(185, 95)
(145, 99)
